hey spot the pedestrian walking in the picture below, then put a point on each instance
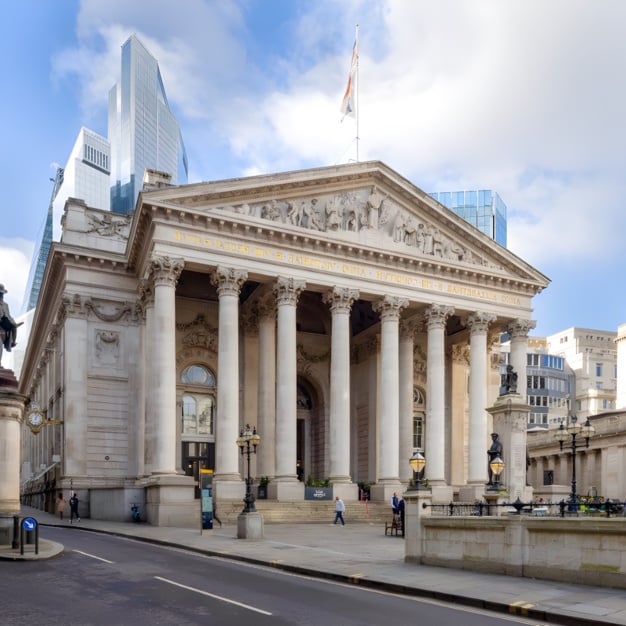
(340, 508)
(60, 505)
(74, 508)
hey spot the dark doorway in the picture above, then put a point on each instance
(197, 455)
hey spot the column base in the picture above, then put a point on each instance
(229, 490)
(249, 526)
(292, 491)
(170, 501)
(471, 493)
(442, 494)
(383, 491)
(346, 491)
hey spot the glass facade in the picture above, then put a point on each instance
(143, 132)
(483, 209)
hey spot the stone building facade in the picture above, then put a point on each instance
(341, 310)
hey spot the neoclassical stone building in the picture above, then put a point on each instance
(341, 310)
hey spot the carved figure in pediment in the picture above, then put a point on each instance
(333, 218)
(428, 240)
(373, 208)
(305, 214)
(399, 226)
(437, 242)
(410, 232)
(293, 215)
(316, 220)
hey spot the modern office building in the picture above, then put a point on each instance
(143, 131)
(483, 209)
(40, 257)
(288, 301)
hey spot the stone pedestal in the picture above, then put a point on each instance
(348, 492)
(250, 526)
(11, 419)
(383, 491)
(287, 491)
(413, 512)
(510, 419)
(170, 501)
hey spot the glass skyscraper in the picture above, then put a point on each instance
(483, 209)
(143, 132)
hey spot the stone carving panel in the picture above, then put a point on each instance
(362, 210)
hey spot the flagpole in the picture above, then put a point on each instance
(356, 101)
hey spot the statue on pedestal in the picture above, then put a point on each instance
(8, 326)
(493, 453)
(508, 381)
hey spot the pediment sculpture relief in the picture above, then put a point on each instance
(362, 210)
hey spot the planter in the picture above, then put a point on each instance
(261, 493)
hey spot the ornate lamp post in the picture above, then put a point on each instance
(573, 430)
(417, 463)
(497, 467)
(247, 441)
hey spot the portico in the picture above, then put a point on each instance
(327, 307)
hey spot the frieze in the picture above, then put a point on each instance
(108, 311)
(362, 210)
(109, 225)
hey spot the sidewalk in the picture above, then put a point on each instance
(361, 554)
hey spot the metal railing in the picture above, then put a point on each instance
(581, 506)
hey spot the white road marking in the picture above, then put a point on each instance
(212, 595)
(93, 556)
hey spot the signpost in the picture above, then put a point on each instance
(206, 499)
(29, 525)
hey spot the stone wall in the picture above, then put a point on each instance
(589, 551)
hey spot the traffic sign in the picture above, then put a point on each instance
(29, 524)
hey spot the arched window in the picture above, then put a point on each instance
(198, 401)
(419, 406)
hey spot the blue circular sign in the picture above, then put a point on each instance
(29, 523)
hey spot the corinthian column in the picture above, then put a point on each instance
(340, 301)
(266, 462)
(165, 273)
(407, 344)
(389, 433)
(436, 316)
(287, 292)
(478, 324)
(228, 282)
(518, 333)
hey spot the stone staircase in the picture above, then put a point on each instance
(309, 512)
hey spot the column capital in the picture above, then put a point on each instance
(228, 280)
(266, 307)
(287, 290)
(519, 328)
(389, 307)
(479, 321)
(436, 315)
(340, 299)
(165, 271)
(408, 327)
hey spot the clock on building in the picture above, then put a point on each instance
(35, 418)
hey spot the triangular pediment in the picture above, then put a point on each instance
(365, 205)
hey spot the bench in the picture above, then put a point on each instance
(394, 527)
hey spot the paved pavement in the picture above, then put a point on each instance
(361, 554)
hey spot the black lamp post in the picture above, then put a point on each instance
(573, 430)
(417, 463)
(247, 441)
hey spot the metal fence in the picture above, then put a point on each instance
(564, 508)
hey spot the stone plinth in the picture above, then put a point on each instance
(11, 418)
(510, 420)
(250, 526)
(170, 501)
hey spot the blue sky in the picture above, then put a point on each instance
(525, 97)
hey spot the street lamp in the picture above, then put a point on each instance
(573, 430)
(497, 467)
(247, 441)
(417, 463)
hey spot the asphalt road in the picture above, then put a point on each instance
(106, 580)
